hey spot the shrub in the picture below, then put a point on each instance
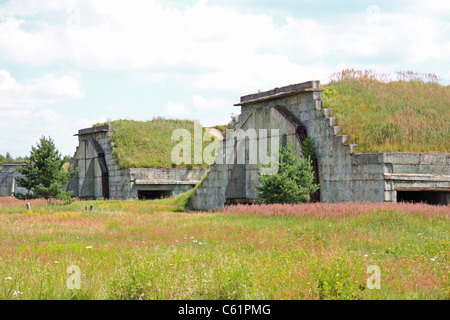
(293, 183)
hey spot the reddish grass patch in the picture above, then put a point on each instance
(13, 201)
(337, 210)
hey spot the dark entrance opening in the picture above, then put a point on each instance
(429, 197)
(154, 194)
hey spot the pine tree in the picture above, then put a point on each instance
(44, 174)
(8, 157)
(293, 183)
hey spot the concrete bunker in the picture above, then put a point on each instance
(343, 174)
(8, 175)
(100, 176)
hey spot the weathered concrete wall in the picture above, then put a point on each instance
(343, 175)
(210, 194)
(221, 184)
(415, 172)
(128, 182)
(8, 176)
(89, 181)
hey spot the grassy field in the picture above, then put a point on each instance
(147, 144)
(156, 250)
(410, 114)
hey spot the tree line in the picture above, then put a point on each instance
(8, 158)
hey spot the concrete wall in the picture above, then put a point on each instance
(126, 183)
(88, 182)
(415, 172)
(343, 175)
(8, 175)
(210, 194)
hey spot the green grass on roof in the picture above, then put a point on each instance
(407, 115)
(147, 144)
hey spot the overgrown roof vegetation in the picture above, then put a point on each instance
(410, 113)
(405, 112)
(148, 144)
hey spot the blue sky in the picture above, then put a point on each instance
(65, 65)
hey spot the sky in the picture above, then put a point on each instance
(66, 65)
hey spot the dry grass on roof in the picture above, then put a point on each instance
(402, 112)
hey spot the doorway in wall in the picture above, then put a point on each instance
(154, 194)
(429, 197)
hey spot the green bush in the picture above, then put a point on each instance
(293, 183)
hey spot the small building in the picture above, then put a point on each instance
(100, 176)
(8, 175)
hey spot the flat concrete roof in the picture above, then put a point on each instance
(14, 164)
(164, 181)
(103, 128)
(309, 86)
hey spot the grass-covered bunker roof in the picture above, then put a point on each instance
(408, 114)
(148, 144)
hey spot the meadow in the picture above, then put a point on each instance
(158, 250)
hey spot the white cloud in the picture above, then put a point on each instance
(26, 8)
(174, 109)
(48, 115)
(39, 91)
(204, 104)
(58, 85)
(26, 113)
(207, 42)
(39, 45)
